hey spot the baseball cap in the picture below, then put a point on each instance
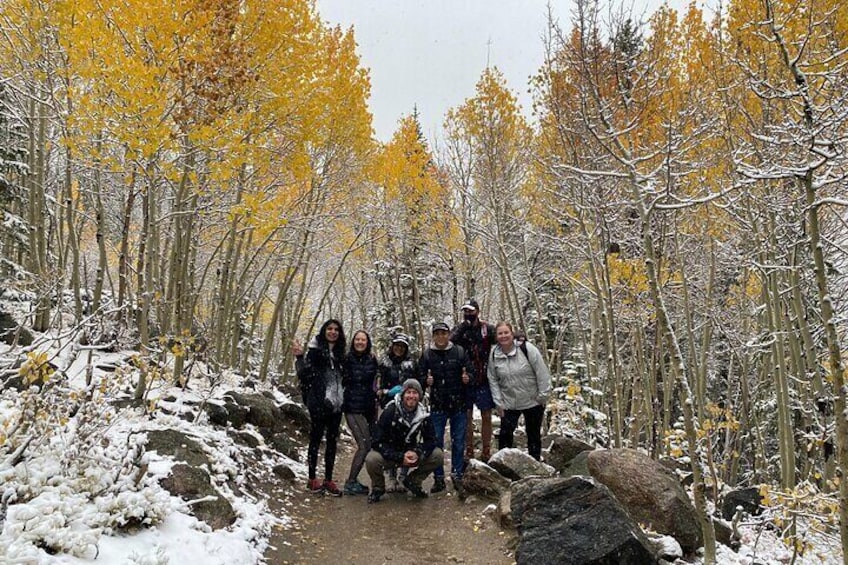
(401, 338)
(440, 326)
(471, 304)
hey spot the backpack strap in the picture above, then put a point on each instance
(522, 345)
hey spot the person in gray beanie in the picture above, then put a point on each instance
(403, 437)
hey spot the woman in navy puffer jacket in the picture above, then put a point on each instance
(360, 403)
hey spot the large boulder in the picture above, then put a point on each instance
(748, 499)
(296, 414)
(725, 535)
(177, 445)
(191, 484)
(577, 466)
(481, 479)
(283, 444)
(236, 414)
(262, 412)
(515, 464)
(575, 521)
(10, 331)
(563, 450)
(650, 493)
(216, 413)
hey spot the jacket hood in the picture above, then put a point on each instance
(420, 412)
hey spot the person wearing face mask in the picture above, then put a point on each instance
(360, 404)
(477, 338)
(320, 372)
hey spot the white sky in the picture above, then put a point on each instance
(430, 53)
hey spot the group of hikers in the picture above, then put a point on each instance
(399, 440)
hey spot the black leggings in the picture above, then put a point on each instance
(532, 424)
(322, 422)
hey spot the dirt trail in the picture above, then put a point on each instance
(399, 529)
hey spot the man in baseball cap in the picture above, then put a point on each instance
(477, 338)
(446, 370)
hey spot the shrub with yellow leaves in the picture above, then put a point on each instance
(36, 369)
(805, 515)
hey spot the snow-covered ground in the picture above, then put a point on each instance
(87, 492)
(79, 496)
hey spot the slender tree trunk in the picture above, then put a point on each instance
(124, 257)
(100, 236)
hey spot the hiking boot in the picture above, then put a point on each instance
(352, 488)
(331, 488)
(375, 496)
(401, 478)
(416, 490)
(459, 488)
(438, 485)
(314, 485)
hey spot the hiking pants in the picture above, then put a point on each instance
(375, 464)
(322, 423)
(361, 430)
(532, 424)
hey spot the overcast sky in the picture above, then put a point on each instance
(430, 53)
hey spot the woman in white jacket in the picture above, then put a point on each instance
(520, 383)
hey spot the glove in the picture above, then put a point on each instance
(394, 391)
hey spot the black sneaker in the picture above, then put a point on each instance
(413, 488)
(438, 485)
(375, 495)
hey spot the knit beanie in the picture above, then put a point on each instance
(414, 384)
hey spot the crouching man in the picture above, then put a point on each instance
(404, 437)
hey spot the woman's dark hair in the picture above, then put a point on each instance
(367, 342)
(338, 350)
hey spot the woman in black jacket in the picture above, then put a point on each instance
(320, 373)
(360, 404)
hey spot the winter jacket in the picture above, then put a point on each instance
(447, 394)
(477, 340)
(360, 383)
(518, 381)
(320, 375)
(393, 372)
(394, 435)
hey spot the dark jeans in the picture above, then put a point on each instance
(532, 424)
(323, 423)
(458, 421)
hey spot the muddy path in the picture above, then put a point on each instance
(399, 529)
